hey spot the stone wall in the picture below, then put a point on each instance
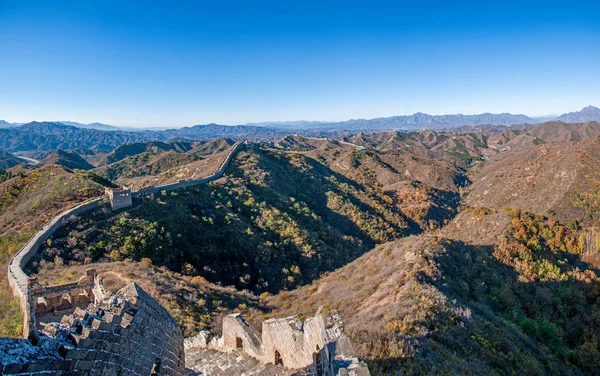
(318, 344)
(133, 335)
(293, 341)
(190, 183)
(64, 296)
(17, 278)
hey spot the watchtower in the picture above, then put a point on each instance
(119, 197)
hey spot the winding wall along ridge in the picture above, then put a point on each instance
(18, 280)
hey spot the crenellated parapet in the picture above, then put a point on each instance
(132, 335)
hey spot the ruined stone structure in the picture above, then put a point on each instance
(318, 346)
(53, 300)
(120, 197)
(18, 280)
(132, 335)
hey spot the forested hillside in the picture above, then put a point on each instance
(275, 222)
(68, 159)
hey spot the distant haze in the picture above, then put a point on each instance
(403, 122)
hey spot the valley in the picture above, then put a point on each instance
(443, 251)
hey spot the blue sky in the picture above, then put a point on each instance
(167, 63)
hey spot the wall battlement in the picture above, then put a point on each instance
(132, 335)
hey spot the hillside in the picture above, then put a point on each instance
(275, 222)
(429, 305)
(153, 147)
(7, 160)
(68, 159)
(300, 143)
(53, 136)
(562, 177)
(552, 131)
(155, 163)
(460, 148)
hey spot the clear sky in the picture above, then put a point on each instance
(175, 63)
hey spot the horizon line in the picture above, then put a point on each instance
(255, 123)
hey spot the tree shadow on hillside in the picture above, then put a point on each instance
(289, 182)
(498, 323)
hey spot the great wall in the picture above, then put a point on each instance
(82, 329)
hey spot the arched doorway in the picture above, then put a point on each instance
(239, 344)
(278, 360)
(319, 362)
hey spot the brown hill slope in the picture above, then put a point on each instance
(428, 305)
(149, 164)
(68, 159)
(381, 168)
(552, 131)
(458, 148)
(302, 143)
(562, 177)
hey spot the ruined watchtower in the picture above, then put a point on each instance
(316, 346)
(120, 197)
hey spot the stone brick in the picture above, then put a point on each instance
(105, 348)
(67, 320)
(92, 308)
(85, 343)
(85, 365)
(79, 313)
(76, 354)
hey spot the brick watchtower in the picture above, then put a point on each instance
(119, 197)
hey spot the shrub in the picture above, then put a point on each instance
(146, 262)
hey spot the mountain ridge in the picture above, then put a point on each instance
(414, 121)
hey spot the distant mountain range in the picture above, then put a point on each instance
(434, 122)
(97, 136)
(589, 113)
(103, 127)
(99, 126)
(415, 121)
